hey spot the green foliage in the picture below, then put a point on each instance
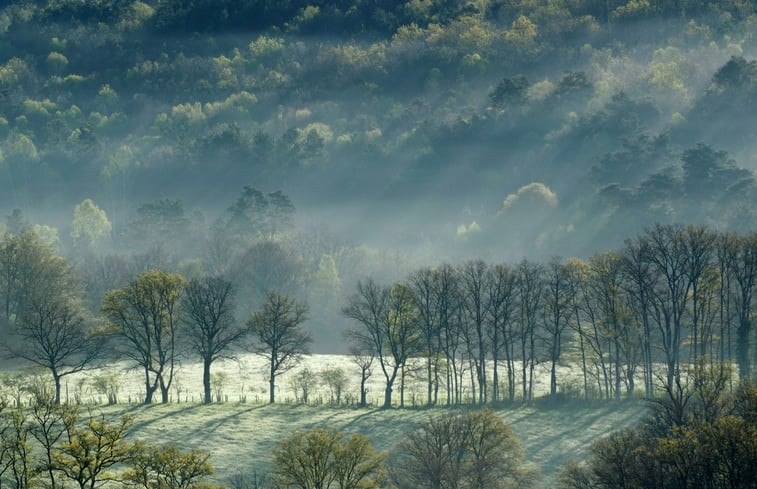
(696, 437)
(90, 228)
(325, 459)
(336, 380)
(52, 446)
(473, 449)
(145, 316)
(168, 467)
(159, 221)
(108, 383)
(255, 214)
(90, 453)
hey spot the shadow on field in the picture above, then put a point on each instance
(234, 418)
(551, 436)
(141, 421)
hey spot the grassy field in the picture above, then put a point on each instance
(241, 435)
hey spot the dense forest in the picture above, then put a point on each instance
(305, 146)
(515, 129)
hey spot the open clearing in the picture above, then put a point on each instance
(241, 435)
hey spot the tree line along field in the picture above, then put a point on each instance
(673, 307)
(243, 380)
(673, 298)
(240, 436)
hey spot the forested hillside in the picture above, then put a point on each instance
(300, 146)
(551, 125)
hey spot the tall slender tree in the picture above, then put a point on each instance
(208, 306)
(278, 335)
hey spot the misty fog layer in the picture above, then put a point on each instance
(301, 146)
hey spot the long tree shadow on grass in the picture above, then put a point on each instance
(233, 417)
(143, 420)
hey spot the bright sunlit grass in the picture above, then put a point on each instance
(240, 435)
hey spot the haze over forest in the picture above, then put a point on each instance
(317, 143)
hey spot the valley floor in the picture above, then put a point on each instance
(241, 436)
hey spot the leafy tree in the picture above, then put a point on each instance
(208, 306)
(16, 222)
(17, 467)
(49, 329)
(158, 221)
(24, 260)
(336, 380)
(473, 449)
(92, 449)
(145, 315)
(266, 265)
(323, 459)
(278, 336)
(108, 383)
(167, 467)
(48, 428)
(90, 228)
(255, 214)
(510, 91)
(303, 384)
(695, 436)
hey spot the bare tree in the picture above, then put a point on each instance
(670, 290)
(447, 297)
(55, 336)
(49, 328)
(422, 283)
(208, 306)
(473, 277)
(699, 247)
(278, 335)
(500, 310)
(638, 282)
(616, 328)
(557, 303)
(363, 358)
(742, 259)
(530, 296)
(389, 327)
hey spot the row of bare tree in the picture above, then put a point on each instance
(152, 321)
(668, 298)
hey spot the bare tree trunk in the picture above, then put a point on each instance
(388, 396)
(363, 392)
(206, 381)
(56, 379)
(272, 384)
(149, 387)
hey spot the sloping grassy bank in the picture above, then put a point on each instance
(241, 436)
